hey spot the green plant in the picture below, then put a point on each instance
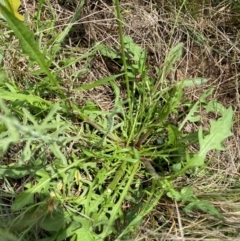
(13, 6)
(75, 185)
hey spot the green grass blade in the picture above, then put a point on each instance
(17, 171)
(65, 32)
(32, 99)
(117, 206)
(27, 42)
(98, 83)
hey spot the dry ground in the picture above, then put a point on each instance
(211, 50)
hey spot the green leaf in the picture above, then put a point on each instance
(173, 134)
(22, 200)
(118, 181)
(28, 219)
(54, 222)
(98, 83)
(193, 114)
(193, 82)
(143, 208)
(172, 57)
(84, 235)
(219, 131)
(108, 52)
(31, 99)
(176, 167)
(195, 161)
(137, 53)
(174, 194)
(173, 100)
(204, 206)
(57, 43)
(187, 195)
(7, 236)
(214, 106)
(17, 171)
(27, 197)
(69, 231)
(27, 42)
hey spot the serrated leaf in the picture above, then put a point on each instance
(27, 197)
(187, 195)
(195, 161)
(108, 52)
(219, 131)
(214, 106)
(17, 171)
(193, 115)
(193, 82)
(203, 206)
(32, 99)
(12, 6)
(84, 235)
(174, 194)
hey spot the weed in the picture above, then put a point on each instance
(96, 174)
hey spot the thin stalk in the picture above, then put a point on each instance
(119, 21)
(176, 20)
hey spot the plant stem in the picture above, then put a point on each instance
(122, 45)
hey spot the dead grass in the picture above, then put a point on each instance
(212, 51)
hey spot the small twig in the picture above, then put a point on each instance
(179, 222)
(142, 139)
(150, 168)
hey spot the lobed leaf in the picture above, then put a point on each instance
(203, 206)
(219, 131)
(27, 197)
